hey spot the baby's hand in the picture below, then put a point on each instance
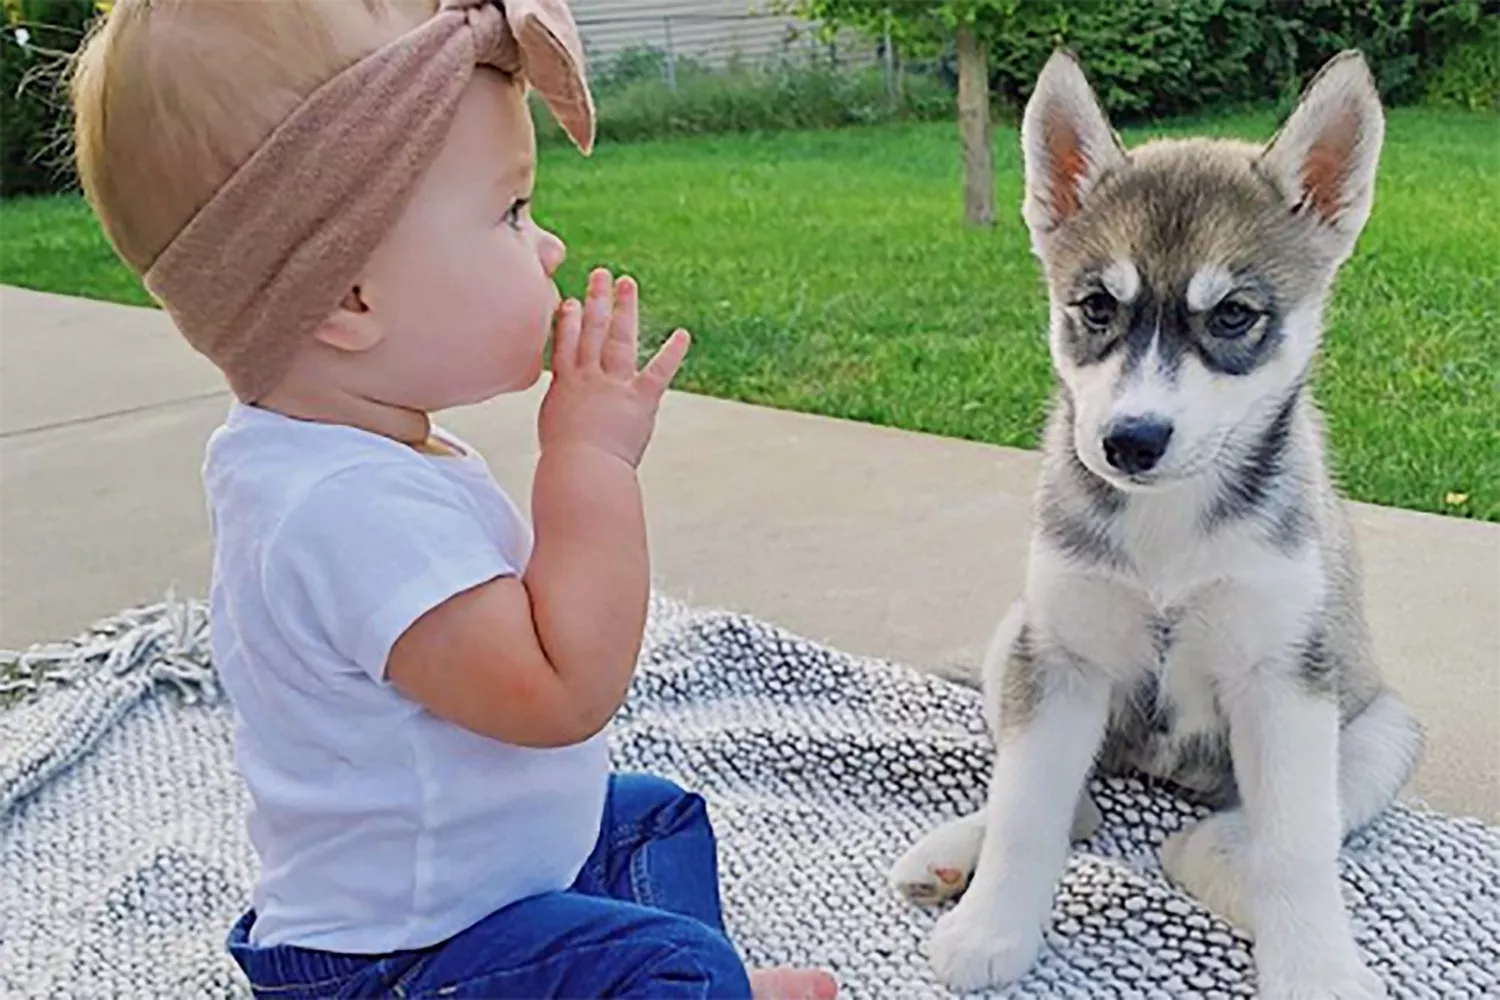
(598, 398)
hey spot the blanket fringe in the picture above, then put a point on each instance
(165, 643)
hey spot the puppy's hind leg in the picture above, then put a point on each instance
(1289, 767)
(1378, 752)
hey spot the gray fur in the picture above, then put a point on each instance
(1169, 208)
(1204, 603)
(1162, 627)
(1260, 483)
(1075, 507)
(1024, 679)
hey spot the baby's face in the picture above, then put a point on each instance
(462, 285)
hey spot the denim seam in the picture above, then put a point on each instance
(404, 980)
(627, 834)
(448, 989)
(289, 987)
(640, 880)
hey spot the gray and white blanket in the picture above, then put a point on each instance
(124, 859)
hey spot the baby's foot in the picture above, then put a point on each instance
(793, 984)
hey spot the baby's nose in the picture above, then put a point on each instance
(552, 252)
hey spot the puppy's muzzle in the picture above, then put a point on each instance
(1133, 445)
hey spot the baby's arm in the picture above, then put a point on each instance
(545, 660)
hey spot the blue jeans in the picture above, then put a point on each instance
(641, 920)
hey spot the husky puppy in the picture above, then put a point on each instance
(1192, 604)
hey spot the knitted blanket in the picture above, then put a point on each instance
(124, 859)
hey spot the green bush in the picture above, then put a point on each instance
(636, 64)
(34, 119)
(1470, 75)
(787, 96)
(1154, 59)
(1158, 58)
(1148, 58)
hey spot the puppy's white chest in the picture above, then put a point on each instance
(1171, 556)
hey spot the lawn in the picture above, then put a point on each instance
(825, 272)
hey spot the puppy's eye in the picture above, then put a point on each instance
(1098, 310)
(1232, 319)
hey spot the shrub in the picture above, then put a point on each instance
(1157, 58)
(1147, 58)
(639, 63)
(34, 118)
(785, 96)
(1470, 75)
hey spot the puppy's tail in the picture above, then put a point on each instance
(971, 674)
(962, 672)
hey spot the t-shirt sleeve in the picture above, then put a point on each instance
(370, 550)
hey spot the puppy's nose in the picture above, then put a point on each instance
(1135, 444)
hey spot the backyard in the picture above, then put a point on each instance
(827, 193)
(826, 271)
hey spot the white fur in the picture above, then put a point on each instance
(1208, 858)
(1285, 745)
(994, 932)
(1122, 280)
(1286, 748)
(1240, 605)
(1208, 287)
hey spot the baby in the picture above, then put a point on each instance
(332, 200)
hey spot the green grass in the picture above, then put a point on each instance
(827, 272)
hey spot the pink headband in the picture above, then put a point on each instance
(277, 248)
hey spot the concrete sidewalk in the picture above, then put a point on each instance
(878, 541)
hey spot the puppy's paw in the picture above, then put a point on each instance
(971, 949)
(1207, 862)
(938, 867)
(1347, 978)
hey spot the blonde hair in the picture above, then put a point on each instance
(170, 97)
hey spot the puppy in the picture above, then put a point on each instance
(1192, 606)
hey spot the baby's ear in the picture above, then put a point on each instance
(552, 61)
(351, 327)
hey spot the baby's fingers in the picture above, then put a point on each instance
(662, 368)
(565, 331)
(597, 309)
(621, 345)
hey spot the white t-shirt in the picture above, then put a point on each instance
(378, 825)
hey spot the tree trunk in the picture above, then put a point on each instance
(974, 128)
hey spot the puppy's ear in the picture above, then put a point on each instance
(1324, 157)
(1068, 145)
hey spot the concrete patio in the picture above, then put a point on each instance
(878, 541)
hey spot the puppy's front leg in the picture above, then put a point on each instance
(1284, 740)
(1045, 743)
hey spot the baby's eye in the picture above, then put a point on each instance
(516, 212)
